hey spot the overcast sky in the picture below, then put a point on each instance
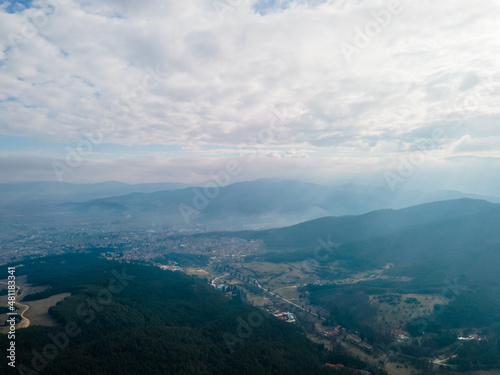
(397, 93)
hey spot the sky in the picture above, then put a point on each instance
(402, 94)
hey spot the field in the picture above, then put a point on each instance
(276, 276)
(395, 312)
(38, 312)
(288, 292)
(395, 368)
(195, 271)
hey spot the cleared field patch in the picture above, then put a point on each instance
(38, 312)
(264, 269)
(395, 310)
(288, 292)
(196, 271)
(277, 276)
(257, 300)
(487, 372)
(395, 368)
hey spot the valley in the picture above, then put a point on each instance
(403, 291)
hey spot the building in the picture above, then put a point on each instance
(353, 338)
(337, 367)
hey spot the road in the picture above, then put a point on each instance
(257, 284)
(25, 322)
(442, 361)
(218, 277)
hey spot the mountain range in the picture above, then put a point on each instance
(428, 243)
(262, 203)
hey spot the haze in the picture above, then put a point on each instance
(396, 94)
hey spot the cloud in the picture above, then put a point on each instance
(189, 169)
(222, 74)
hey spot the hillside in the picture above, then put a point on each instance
(352, 228)
(430, 241)
(264, 203)
(53, 192)
(137, 319)
(430, 269)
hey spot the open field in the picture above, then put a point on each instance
(398, 312)
(34, 312)
(196, 271)
(394, 368)
(288, 292)
(38, 312)
(490, 372)
(257, 300)
(21, 290)
(276, 276)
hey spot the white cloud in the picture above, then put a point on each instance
(223, 75)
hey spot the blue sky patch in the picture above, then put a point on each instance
(264, 7)
(15, 6)
(28, 143)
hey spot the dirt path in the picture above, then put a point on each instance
(218, 277)
(25, 322)
(442, 361)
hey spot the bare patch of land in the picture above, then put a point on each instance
(394, 310)
(395, 368)
(32, 312)
(38, 312)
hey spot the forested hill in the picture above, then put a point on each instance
(266, 202)
(347, 229)
(430, 242)
(131, 319)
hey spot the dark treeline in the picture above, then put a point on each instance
(159, 322)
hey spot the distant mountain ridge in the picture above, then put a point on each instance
(271, 203)
(53, 191)
(352, 228)
(264, 203)
(429, 242)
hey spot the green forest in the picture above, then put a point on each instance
(135, 319)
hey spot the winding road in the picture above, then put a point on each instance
(25, 322)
